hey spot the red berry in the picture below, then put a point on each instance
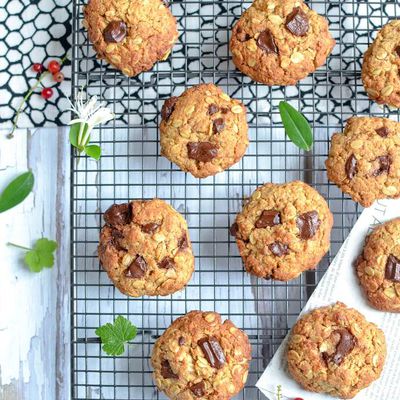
(298, 398)
(47, 93)
(58, 77)
(38, 68)
(54, 67)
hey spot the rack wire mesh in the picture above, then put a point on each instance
(131, 168)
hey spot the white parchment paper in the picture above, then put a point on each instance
(340, 283)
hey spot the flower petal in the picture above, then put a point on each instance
(101, 116)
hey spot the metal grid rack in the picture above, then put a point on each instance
(131, 168)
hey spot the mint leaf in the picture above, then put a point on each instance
(16, 191)
(114, 336)
(41, 256)
(296, 126)
(93, 151)
(74, 134)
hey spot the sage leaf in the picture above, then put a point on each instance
(74, 134)
(296, 126)
(16, 191)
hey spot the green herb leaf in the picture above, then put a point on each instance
(74, 134)
(114, 336)
(41, 255)
(16, 191)
(93, 151)
(296, 126)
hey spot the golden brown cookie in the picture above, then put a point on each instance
(201, 357)
(335, 350)
(203, 130)
(378, 267)
(280, 42)
(283, 230)
(132, 35)
(145, 248)
(380, 70)
(364, 160)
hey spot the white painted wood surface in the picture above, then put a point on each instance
(34, 308)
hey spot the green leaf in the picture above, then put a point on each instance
(114, 336)
(74, 133)
(41, 256)
(93, 151)
(16, 191)
(296, 126)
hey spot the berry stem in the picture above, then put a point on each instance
(18, 246)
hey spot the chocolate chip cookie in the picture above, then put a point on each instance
(381, 66)
(283, 230)
(335, 350)
(199, 356)
(378, 267)
(132, 35)
(364, 160)
(280, 42)
(145, 248)
(203, 130)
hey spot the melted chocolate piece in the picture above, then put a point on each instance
(168, 108)
(346, 344)
(279, 249)
(268, 218)
(297, 22)
(181, 341)
(116, 237)
(351, 167)
(308, 224)
(233, 230)
(150, 228)
(383, 132)
(115, 32)
(166, 370)
(198, 389)
(384, 163)
(224, 110)
(167, 263)
(202, 151)
(218, 125)
(212, 351)
(118, 214)
(397, 50)
(266, 42)
(213, 109)
(137, 269)
(183, 242)
(392, 271)
(242, 36)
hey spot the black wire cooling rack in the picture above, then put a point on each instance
(131, 168)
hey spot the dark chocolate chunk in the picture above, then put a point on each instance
(297, 22)
(116, 238)
(150, 228)
(181, 341)
(384, 163)
(266, 42)
(115, 32)
(346, 344)
(397, 50)
(166, 370)
(168, 108)
(383, 132)
(202, 151)
(213, 109)
(233, 230)
(224, 110)
(212, 351)
(392, 271)
(242, 36)
(183, 242)
(137, 269)
(268, 218)
(167, 263)
(118, 214)
(218, 125)
(351, 167)
(308, 224)
(198, 389)
(279, 249)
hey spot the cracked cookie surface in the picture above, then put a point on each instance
(203, 131)
(381, 66)
(280, 42)
(132, 35)
(199, 356)
(378, 267)
(145, 248)
(364, 160)
(283, 230)
(335, 350)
